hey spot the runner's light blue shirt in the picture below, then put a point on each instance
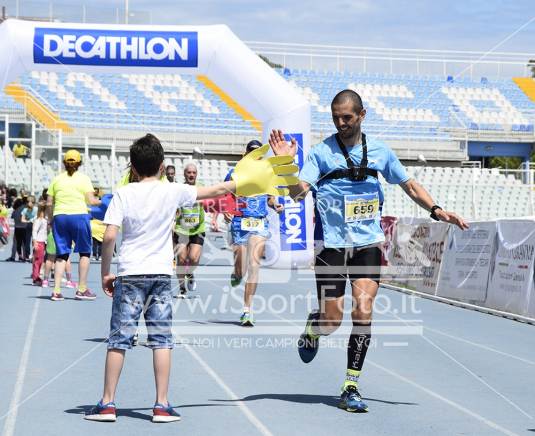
(334, 195)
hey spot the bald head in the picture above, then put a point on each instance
(190, 174)
(190, 167)
(348, 95)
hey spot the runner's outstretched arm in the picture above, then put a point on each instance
(420, 196)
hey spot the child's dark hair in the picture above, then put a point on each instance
(41, 209)
(146, 155)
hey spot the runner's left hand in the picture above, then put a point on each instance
(452, 218)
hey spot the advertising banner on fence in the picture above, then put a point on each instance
(511, 273)
(466, 262)
(416, 254)
(388, 224)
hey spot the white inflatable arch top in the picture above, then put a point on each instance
(211, 51)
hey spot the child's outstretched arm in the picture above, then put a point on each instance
(108, 244)
(215, 190)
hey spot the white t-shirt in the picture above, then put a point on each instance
(146, 213)
(40, 230)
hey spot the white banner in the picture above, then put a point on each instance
(417, 251)
(466, 262)
(511, 272)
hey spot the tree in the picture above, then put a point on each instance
(511, 163)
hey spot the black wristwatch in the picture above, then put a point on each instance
(433, 215)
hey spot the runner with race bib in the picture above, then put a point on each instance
(249, 232)
(189, 234)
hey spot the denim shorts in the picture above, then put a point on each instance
(150, 294)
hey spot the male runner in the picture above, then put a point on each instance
(189, 234)
(343, 171)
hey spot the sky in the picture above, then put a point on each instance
(476, 25)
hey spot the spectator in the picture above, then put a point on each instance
(20, 150)
(11, 197)
(68, 196)
(97, 233)
(44, 196)
(4, 225)
(39, 235)
(20, 231)
(29, 214)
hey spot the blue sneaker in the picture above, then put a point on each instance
(102, 412)
(351, 400)
(307, 346)
(246, 319)
(161, 413)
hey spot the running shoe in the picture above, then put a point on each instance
(161, 413)
(86, 295)
(102, 412)
(307, 346)
(57, 296)
(190, 283)
(246, 319)
(182, 292)
(351, 400)
(37, 282)
(71, 285)
(44, 284)
(234, 280)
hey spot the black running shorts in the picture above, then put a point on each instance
(333, 266)
(189, 239)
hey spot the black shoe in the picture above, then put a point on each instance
(10, 259)
(182, 292)
(307, 346)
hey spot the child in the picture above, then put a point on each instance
(49, 264)
(39, 228)
(97, 234)
(145, 211)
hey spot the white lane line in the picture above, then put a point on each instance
(466, 341)
(453, 404)
(11, 415)
(243, 407)
(478, 345)
(468, 370)
(475, 376)
(395, 344)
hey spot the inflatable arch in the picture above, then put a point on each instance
(213, 52)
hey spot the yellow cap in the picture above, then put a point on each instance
(73, 155)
